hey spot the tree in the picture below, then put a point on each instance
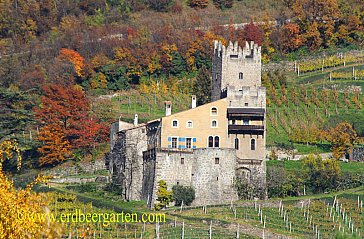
(55, 147)
(202, 86)
(222, 4)
(164, 197)
(183, 194)
(252, 32)
(65, 114)
(342, 138)
(17, 204)
(322, 174)
(15, 111)
(198, 4)
(160, 5)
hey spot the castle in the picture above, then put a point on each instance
(207, 147)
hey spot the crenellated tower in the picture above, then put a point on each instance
(233, 66)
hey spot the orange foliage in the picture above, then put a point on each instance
(55, 146)
(75, 58)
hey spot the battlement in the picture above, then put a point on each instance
(251, 51)
(247, 96)
(235, 66)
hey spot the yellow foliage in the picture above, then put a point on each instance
(15, 205)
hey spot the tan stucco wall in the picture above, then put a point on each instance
(201, 118)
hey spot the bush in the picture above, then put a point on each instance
(183, 194)
(248, 190)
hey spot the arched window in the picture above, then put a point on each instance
(189, 124)
(217, 142)
(237, 144)
(214, 124)
(241, 75)
(213, 111)
(211, 141)
(252, 144)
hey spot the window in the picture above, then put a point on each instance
(175, 123)
(237, 144)
(245, 122)
(233, 122)
(214, 124)
(174, 142)
(182, 160)
(217, 143)
(211, 141)
(246, 104)
(252, 144)
(188, 143)
(189, 124)
(241, 75)
(216, 76)
(213, 111)
(214, 141)
(217, 160)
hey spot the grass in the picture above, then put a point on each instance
(290, 165)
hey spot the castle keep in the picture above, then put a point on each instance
(207, 147)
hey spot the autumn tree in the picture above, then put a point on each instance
(198, 4)
(17, 204)
(202, 86)
(222, 4)
(55, 147)
(252, 32)
(341, 138)
(65, 114)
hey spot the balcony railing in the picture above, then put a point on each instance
(255, 129)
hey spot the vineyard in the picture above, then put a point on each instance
(325, 217)
(328, 62)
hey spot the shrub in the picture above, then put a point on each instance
(164, 196)
(185, 194)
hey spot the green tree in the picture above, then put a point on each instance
(202, 86)
(322, 174)
(164, 197)
(15, 112)
(183, 194)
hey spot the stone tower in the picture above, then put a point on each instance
(234, 66)
(236, 76)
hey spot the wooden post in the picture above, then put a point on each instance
(210, 231)
(183, 230)
(237, 232)
(157, 230)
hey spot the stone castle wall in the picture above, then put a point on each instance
(214, 183)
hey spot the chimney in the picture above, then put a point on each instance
(136, 120)
(193, 101)
(168, 107)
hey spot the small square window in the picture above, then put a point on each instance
(245, 122)
(175, 123)
(217, 160)
(246, 104)
(182, 160)
(189, 124)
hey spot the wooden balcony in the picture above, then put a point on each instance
(246, 129)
